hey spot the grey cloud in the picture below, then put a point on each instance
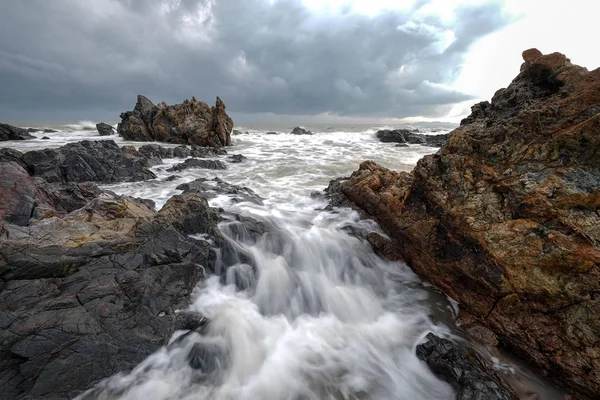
(74, 59)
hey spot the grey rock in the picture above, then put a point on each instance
(404, 137)
(301, 131)
(105, 129)
(211, 188)
(466, 371)
(9, 132)
(197, 163)
(236, 158)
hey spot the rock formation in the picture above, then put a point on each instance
(9, 132)
(90, 282)
(404, 137)
(105, 129)
(465, 370)
(505, 218)
(192, 122)
(298, 131)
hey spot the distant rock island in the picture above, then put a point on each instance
(505, 218)
(191, 122)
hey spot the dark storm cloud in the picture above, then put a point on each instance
(70, 57)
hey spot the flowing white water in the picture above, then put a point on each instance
(311, 312)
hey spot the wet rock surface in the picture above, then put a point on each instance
(505, 217)
(211, 188)
(105, 129)
(85, 161)
(197, 163)
(192, 122)
(469, 375)
(9, 132)
(90, 281)
(404, 137)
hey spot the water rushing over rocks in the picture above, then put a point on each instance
(299, 307)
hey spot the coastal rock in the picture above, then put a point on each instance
(47, 130)
(272, 133)
(189, 213)
(462, 368)
(105, 129)
(90, 295)
(405, 137)
(236, 158)
(505, 218)
(85, 161)
(192, 122)
(196, 163)
(211, 188)
(300, 131)
(9, 132)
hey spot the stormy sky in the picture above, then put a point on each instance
(65, 60)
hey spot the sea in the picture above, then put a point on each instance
(323, 316)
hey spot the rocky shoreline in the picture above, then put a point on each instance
(504, 218)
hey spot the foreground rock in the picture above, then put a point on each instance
(192, 122)
(211, 188)
(505, 217)
(405, 137)
(9, 132)
(469, 374)
(93, 293)
(105, 129)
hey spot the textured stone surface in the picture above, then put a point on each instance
(9, 132)
(505, 217)
(404, 137)
(105, 129)
(192, 122)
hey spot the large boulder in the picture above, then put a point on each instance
(192, 122)
(298, 131)
(505, 218)
(86, 161)
(9, 132)
(92, 294)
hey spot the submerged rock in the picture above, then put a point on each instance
(404, 137)
(9, 132)
(469, 374)
(505, 218)
(300, 131)
(196, 163)
(236, 158)
(105, 129)
(192, 122)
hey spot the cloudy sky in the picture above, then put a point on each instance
(337, 60)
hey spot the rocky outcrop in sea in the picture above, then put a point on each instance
(105, 129)
(192, 122)
(505, 218)
(9, 132)
(404, 137)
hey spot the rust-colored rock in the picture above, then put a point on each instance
(191, 122)
(531, 55)
(505, 218)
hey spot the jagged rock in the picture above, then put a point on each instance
(105, 129)
(300, 131)
(90, 295)
(466, 371)
(9, 132)
(505, 217)
(17, 193)
(85, 161)
(236, 158)
(211, 188)
(404, 137)
(196, 163)
(192, 122)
